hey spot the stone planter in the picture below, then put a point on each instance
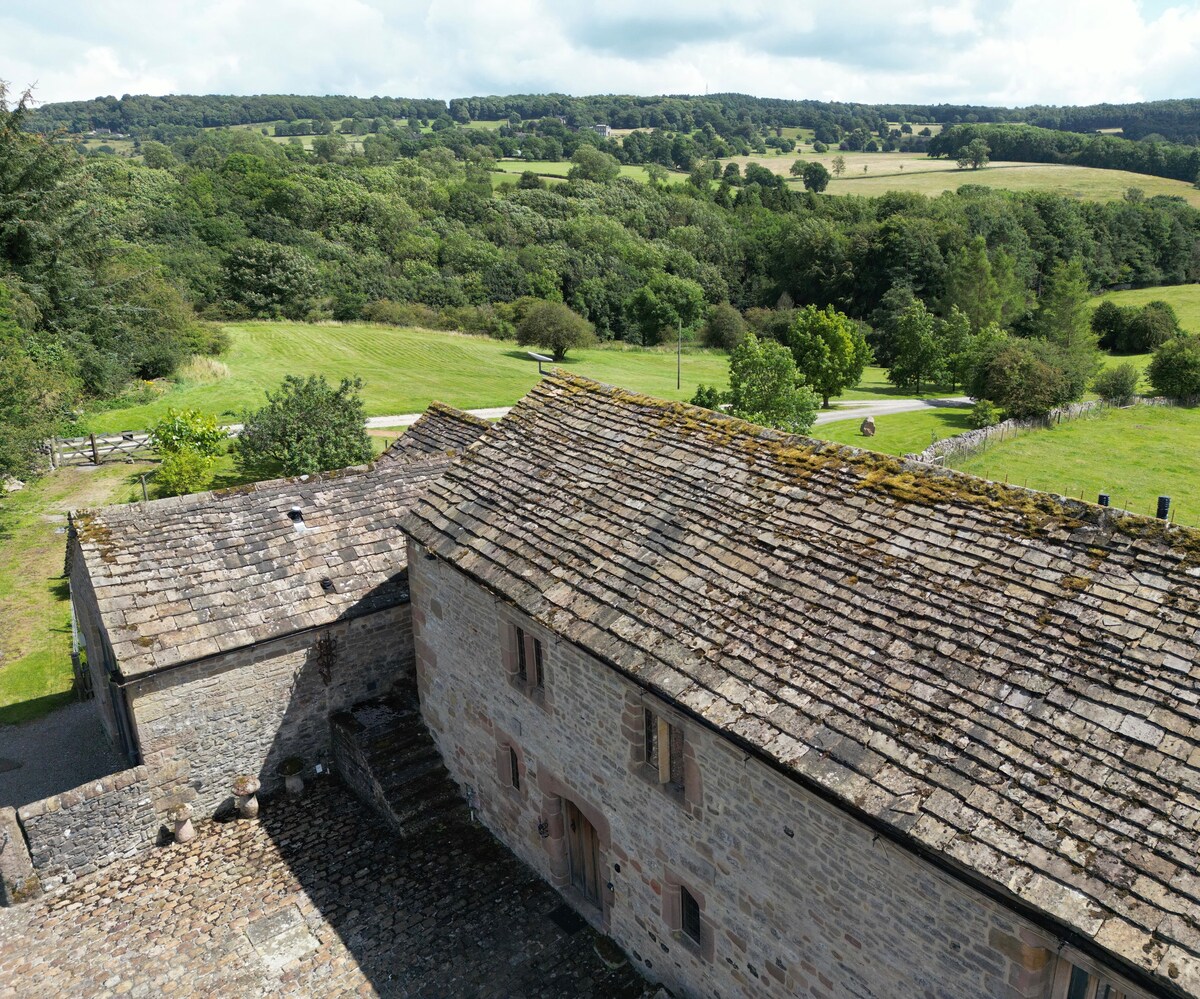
(290, 770)
(245, 791)
(181, 819)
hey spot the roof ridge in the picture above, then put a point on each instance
(125, 511)
(455, 413)
(896, 474)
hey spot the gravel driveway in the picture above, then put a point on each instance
(54, 754)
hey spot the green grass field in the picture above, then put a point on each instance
(1084, 183)
(872, 174)
(1135, 455)
(406, 369)
(1184, 299)
(899, 433)
(552, 168)
(35, 614)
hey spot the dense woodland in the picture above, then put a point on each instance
(1174, 120)
(106, 265)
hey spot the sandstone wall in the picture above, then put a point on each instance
(94, 641)
(244, 713)
(79, 831)
(796, 897)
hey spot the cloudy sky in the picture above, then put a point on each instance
(1008, 52)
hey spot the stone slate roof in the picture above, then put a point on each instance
(1004, 678)
(177, 579)
(440, 430)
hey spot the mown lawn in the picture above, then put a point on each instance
(404, 370)
(1135, 455)
(35, 615)
(1183, 298)
(899, 433)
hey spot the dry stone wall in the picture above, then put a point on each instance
(204, 724)
(971, 442)
(796, 897)
(80, 831)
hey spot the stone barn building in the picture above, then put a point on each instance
(789, 718)
(780, 717)
(222, 629)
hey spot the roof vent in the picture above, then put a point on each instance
(296, 516)
(327, 585)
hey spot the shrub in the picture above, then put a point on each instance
(1175, 368)
(1025, 378)
(307, 426)
(184, 429)
(1117, 385)
(189, 442)
(183, 471)
(708, 397)
(984, 414)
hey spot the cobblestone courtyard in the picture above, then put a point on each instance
(313, 899)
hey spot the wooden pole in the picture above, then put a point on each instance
(95, 453)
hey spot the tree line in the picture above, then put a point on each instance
(106, 265)
(1173, 121)
(1029, 144)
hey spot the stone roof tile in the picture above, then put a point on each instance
(179, 578)
(441, 430)
(1004, 676)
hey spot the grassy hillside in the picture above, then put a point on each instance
(404, 370)
(1183, 298)
(1084, 183)
(1135, 455)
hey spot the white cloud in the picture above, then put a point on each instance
(1004, 52)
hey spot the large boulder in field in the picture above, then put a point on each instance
(867, 427)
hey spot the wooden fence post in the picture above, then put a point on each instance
(95, 453)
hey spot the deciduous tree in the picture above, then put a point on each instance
(816, 177)
(917, 353)
(1174, 370)
(829, 349)
(554, 327)
(765, 387)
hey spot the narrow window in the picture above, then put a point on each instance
(1073, 982)
(663, 747)
(539, 671)
(514, 769)
(689, 914)
(522, 662)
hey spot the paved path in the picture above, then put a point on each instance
(846, 411)
(53, 754)
(408, 419)
(312, 899)
(857, 410)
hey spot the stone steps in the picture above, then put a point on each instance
(385, 754)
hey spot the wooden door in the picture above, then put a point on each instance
(583, 846)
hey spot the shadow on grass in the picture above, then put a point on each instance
(36, 707)
(523, 355)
